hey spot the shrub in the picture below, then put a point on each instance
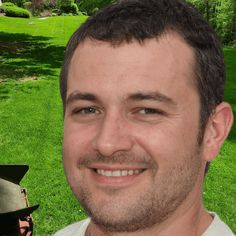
(73, 8)
(9, 4)
(55, 10)
(27, 5)
(83, 13)
(49, 4)
(15, 11)
(91, 6)
(65, 2)
(18, 3)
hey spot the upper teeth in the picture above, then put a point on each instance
(117, 173)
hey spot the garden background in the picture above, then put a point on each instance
(31, 120)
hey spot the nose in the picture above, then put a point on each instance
(114, 135)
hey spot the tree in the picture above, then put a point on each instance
(221, 14)
(37, 6)
(90, 6)
(68, 6)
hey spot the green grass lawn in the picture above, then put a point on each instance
(31, 52)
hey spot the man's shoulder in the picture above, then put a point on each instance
(76, 229)
(218, 227)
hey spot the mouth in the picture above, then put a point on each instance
(118, 173)
(115, 175)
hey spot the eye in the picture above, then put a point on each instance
(150, 111)
(147, 114)
(86, 111)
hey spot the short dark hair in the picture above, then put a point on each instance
(128, 20)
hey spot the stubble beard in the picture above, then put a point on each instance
(152, 205)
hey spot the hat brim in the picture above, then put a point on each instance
(13, 173)
(18, 213)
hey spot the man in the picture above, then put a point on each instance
(142, 86)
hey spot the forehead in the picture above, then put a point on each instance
(166, 62)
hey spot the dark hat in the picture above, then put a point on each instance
(13, 203)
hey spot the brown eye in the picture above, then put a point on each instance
(150, 111)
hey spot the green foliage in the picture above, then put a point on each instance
(14, 11)
(223, 19)
(49, 4)
(28, 5)
(6, 4)
(9, 4)
(64, 3)
(222, 16)
(200, 5)
(91, 6)
(73, 9)
(55, 11)
(15, 2)
(68, 7)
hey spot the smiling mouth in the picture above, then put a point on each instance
(118, 173)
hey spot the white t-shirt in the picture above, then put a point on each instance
(216, 228)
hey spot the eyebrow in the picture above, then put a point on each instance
(153, 96)
(139, 96)
(75, 96)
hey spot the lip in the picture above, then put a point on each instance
(117, 166)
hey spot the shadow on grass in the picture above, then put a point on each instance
(24, 56)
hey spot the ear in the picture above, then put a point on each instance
(217, 130)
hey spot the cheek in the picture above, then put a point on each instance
(76, 143)
(167, 141)
(77, 139)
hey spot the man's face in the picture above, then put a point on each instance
(131, 125)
